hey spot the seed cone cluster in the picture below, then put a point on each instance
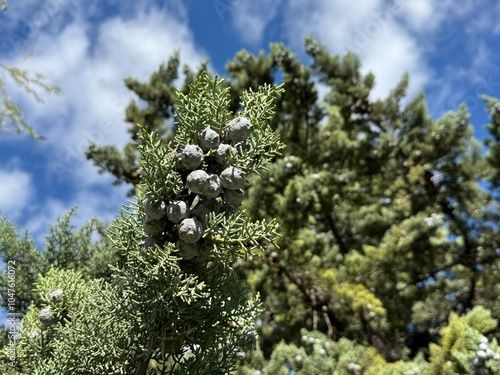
(46, 315)
(212, 184)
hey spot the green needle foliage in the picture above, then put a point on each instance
(493, 157)
(174, 305)
(388, 217)
(65, 247)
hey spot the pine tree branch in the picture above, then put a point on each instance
(468, 302)
(422, 277)
(142, 366)
(317, 299)
(344, 249)
(468, 257)
(468, 246)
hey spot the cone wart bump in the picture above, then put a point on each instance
(191, 157)
(187, 250)
(234, 197)
(198, 181)
(223, 153)
(152, 227)
(56, 296)
(214, 188)
(47, 317)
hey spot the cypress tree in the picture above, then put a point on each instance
(175, 305)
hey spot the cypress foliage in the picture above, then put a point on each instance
(174, 305)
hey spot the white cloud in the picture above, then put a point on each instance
(250, 18)
(91, 74)
(368, 28)
(390, 57)
(390, 36)
(340, 19)
(424, 15)
(16, 192)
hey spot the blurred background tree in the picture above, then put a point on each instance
(32, 84)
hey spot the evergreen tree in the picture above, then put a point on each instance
(65, 247)
(175, 304)
(386, 231)
(493, 157)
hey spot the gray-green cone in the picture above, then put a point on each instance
(177, 211)
(191, 157)
(239, 129)
(209, 139)
(190, 230)
(233, 178)
(155, 208)
(47, 317)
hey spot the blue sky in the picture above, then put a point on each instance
(450, 49)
